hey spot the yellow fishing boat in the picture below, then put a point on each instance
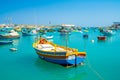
(58, 54)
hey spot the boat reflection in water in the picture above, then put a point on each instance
(57, 71)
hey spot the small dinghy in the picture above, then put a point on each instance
(13, 49)
(101, 37)
(49, 37)
(85, 36)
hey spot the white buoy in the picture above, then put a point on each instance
(82, 64)
(92, 41)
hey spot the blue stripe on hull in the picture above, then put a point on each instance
(5, 42)
(65, 61)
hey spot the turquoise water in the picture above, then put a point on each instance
(102, 61)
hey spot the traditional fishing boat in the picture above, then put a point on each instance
(29, 32)
(108, 32)
(58, 54)
(11, 34)
(18, 29)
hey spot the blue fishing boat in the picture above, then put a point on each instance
(58, 54)
(108, 33)
(28, 32)
(5, 42)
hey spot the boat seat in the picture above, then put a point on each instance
(45, 47)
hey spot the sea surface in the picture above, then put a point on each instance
(102, 60)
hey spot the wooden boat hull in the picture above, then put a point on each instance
(60, 59)
(64, 61)
(58, 54)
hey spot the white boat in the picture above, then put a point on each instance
(108, 33)
(13, 49)
(48, 37)
(11, 34)
(58, 54)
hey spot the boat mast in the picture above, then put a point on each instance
(66, 41)
(8, 21)
(84, 44)
(36, 25)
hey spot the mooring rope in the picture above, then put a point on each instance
(98, 74)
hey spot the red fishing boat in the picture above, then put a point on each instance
(101, 37)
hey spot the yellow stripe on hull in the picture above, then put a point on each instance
(52, 56)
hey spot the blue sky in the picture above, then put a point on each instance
(78, 12)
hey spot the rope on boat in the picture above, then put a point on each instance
(98, 74)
